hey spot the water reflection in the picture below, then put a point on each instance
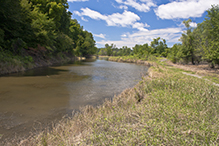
(46, 94)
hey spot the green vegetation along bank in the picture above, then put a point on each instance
(34, 32)
(166, 108)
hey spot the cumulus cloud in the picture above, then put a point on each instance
(140, 26)
(125, 19)
(77, 13)
(144, 6)
(82, 18)
(193, 24)
(184, 8)
(100, 35)
(90, 13)
(171, 35)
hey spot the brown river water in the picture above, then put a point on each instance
(32, 100)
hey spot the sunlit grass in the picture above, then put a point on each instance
(213, 79)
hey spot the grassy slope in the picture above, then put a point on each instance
(10, 63)
(165, 108)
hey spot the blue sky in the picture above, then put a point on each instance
(130, 22)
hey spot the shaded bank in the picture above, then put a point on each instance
(14, 65)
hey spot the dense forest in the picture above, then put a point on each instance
(41, 29)
(200, 44)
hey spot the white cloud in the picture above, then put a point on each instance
(125, 19)
(171, 35)
(140, 26)
(77, 13)
(143, 7)
(184, 8)
(123, 35)
(91, 13)
(100, 35)
(123, 7)
(82, 18)
(77, 0)
(193, 24)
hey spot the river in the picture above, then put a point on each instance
(32, 100)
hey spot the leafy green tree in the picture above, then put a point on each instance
(75, 32)
(159, 45)
(109, 49)
(64, 44)
(88, 45)
(126, 51)
(211, 38)
(187, 40)
(43, 28)
(174, 53)
(12, 26)
(102, 51)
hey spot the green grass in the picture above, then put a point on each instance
(165, 108)
(135, 58)
(180, 70)
(13, 63)
(213, 79)
(175, 110)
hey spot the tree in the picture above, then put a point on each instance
(159, 45)
(109, 49)
(12, 27)
(43, 25)
(174, 53)
(187, 40)
(211, 38)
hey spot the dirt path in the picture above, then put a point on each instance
(197, 76)
(200, 77)
(199, 70)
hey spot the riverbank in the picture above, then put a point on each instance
(202, 70)
(166, 108)
(17, 63)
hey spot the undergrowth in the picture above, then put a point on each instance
(10, 62)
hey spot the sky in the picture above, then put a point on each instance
(131, 22)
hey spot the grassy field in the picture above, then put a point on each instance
(166, 108)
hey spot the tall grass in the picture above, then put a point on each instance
(165, 108)
(12, 63)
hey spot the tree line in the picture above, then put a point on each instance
(157, 47)
(198, 44)
(42, 26)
